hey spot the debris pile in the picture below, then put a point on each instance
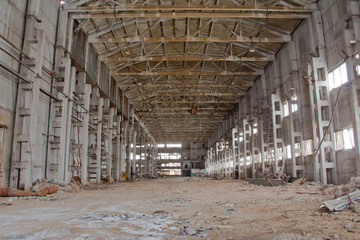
(341, 203)
(40, 188)
(149, 176)
(345, 196)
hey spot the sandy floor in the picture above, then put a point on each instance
(157, 209)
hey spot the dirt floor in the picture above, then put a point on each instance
(160, 208)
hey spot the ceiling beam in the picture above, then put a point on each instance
(179, 85)
(186, 57)
(284, 38)
(180, 94)
(174, 15)
(170, 109)
(189, 7)
(189, 101)
(187, 73)
(93, 35)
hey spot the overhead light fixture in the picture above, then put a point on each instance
(252, 49)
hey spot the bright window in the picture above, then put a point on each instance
(308, 144)
(241, 137)
(255, 130)
(294, 106)
(286, 108)
(161, 145)
(357, 68)
(288, 151)
(297, 146)
(338, 76)
(174, 145)
(344, 139)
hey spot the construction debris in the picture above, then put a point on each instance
(187, 231)
(341, 203)
(47, 191)
(265, 181)
(148, 176)
(59, 183)
(40, 188)
(10, 192)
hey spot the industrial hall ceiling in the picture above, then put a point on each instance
(185, 64)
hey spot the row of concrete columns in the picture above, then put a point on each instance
(90, 138)
(267, 102)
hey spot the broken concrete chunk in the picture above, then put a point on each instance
(355, 207)
(349, 226)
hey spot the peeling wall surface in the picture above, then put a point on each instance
(78, 118)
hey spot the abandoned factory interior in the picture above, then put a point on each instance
(180, 119)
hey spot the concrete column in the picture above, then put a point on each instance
(84, 131)
(133, 163)
(98, 139)
(146, 158)
(118, 150)
(235, 148)
(58, 165)
(128, 151)
(27, 101)
(261, 133)
(322, 104)
(143, 141)
(123, 143)
(355, 86)
(110, 144)
(68, 162)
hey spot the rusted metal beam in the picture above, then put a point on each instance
(284, 38)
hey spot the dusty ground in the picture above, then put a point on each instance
(157, 209)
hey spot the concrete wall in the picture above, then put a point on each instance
(334, 15)
(12, 14)
(12, 21)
